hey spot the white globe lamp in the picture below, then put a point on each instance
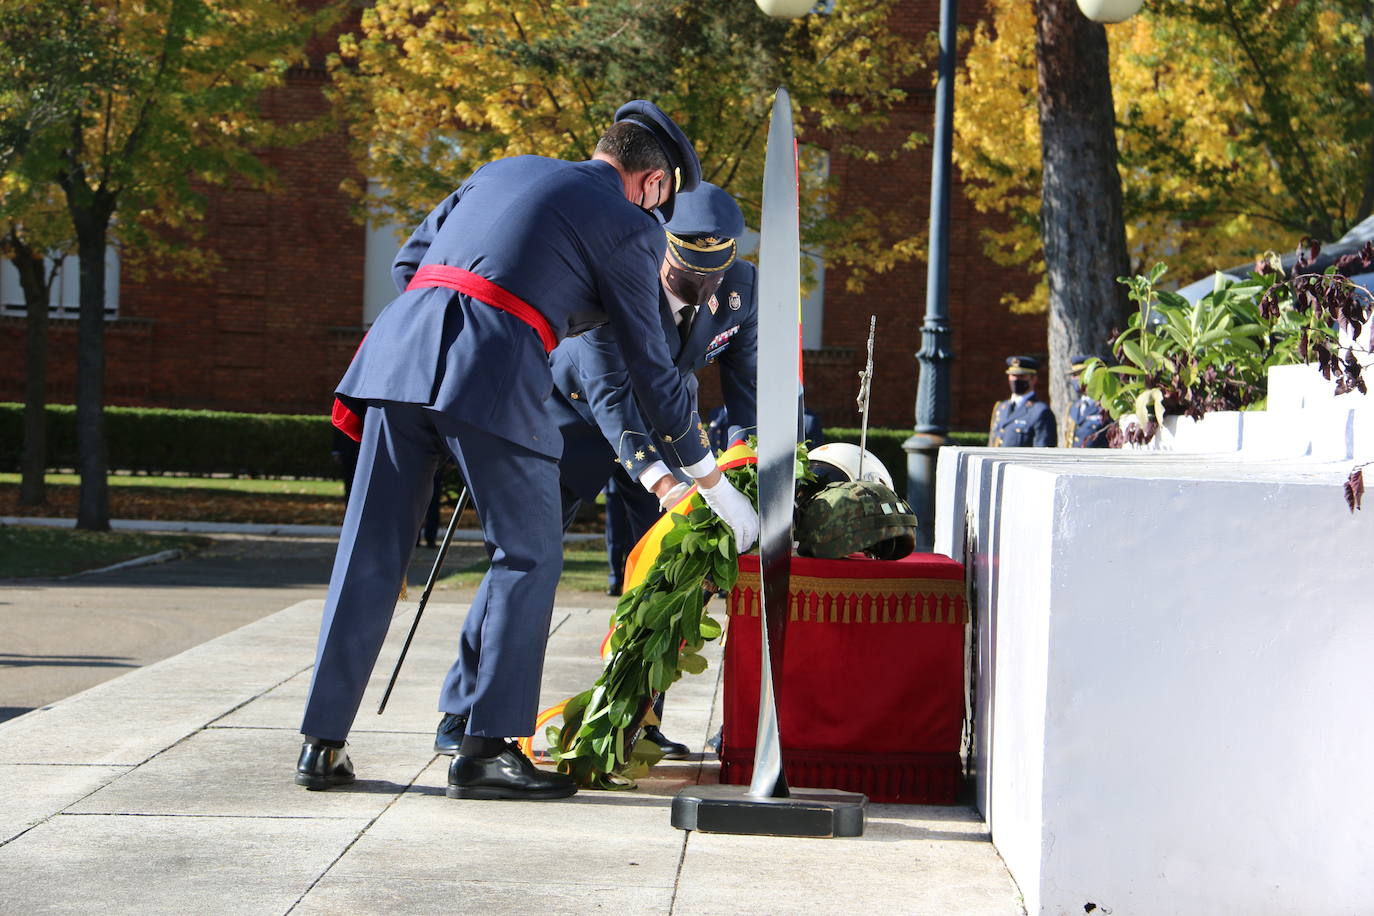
(1107, 11)
(786, 9)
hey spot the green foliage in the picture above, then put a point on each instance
(1180, 357)
(186, 441)
(52, 65)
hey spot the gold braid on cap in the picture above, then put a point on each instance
(705, 246)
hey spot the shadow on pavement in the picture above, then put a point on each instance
(17, 660)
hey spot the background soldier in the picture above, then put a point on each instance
(1023, 419)
(1088, 421)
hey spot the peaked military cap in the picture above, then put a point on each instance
(1022, 365)
(1079, 363)
(684, 170)
(703, 229)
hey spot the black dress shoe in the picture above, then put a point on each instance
(615, 591)
(321, 767)
(672, 750)
(449, 734)
(508, 775)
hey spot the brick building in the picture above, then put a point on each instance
(273, 329)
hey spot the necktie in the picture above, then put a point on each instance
(685, 318)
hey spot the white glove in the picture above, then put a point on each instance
(673, 496)
(731, 506)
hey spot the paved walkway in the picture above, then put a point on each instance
(168, 790)
(58, 637)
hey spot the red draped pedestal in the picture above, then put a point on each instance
(871, 698)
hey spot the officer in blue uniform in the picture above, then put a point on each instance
(708, 314)
(1088, 420)
(527, 252)
(1023, 419)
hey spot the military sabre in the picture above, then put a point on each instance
(424, 598)
(779, 404)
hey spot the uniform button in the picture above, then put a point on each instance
(574, 395)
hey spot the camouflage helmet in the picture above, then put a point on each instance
(856, 515)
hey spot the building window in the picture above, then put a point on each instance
(816, 165)
(64, 298)
(378, 287)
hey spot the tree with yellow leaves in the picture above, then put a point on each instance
(432, 90)
(1241, 125)
(176, 107)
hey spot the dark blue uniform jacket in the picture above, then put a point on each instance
(1089, 423)
(1031, 424)
(562, 237)
(602, 420)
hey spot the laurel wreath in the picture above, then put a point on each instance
(659, 629)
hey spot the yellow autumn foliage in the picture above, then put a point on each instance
(1241, 127)
(432, 90)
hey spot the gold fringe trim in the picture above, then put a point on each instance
(821, 600)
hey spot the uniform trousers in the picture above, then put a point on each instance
(500, 661)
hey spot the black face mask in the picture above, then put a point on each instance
(1020, 385)
(640, 203)
(691, 287)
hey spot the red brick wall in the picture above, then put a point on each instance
(274, 327)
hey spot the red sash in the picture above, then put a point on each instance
(483, 290)
(479, 288)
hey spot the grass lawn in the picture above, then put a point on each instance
(330, 488)
(27, 552)
(218, 499)
(584, 570)
(191, 499)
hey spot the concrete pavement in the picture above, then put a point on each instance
(169, 789)
(58, 637)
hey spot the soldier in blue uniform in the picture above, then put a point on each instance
(707, 313)
(1088, 420)
(527, 252)
(1023, 419)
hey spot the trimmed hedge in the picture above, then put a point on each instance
(185, 441)
(271, 445)
(887, 444)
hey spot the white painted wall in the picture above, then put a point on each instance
(1175, 666)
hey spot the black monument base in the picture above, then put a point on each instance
(808, 812)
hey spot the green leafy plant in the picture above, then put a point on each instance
(1194, 358)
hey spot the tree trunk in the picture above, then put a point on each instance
(1081, 224)
(92, 229)
(33, 279)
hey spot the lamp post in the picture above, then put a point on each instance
(1108, 11)
(786, 9)
(936, 353)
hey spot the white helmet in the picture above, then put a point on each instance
(837, 461)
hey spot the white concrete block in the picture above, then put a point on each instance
(1275, 433)
(1362, 433)
(1173, 681)
(1215, 432)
